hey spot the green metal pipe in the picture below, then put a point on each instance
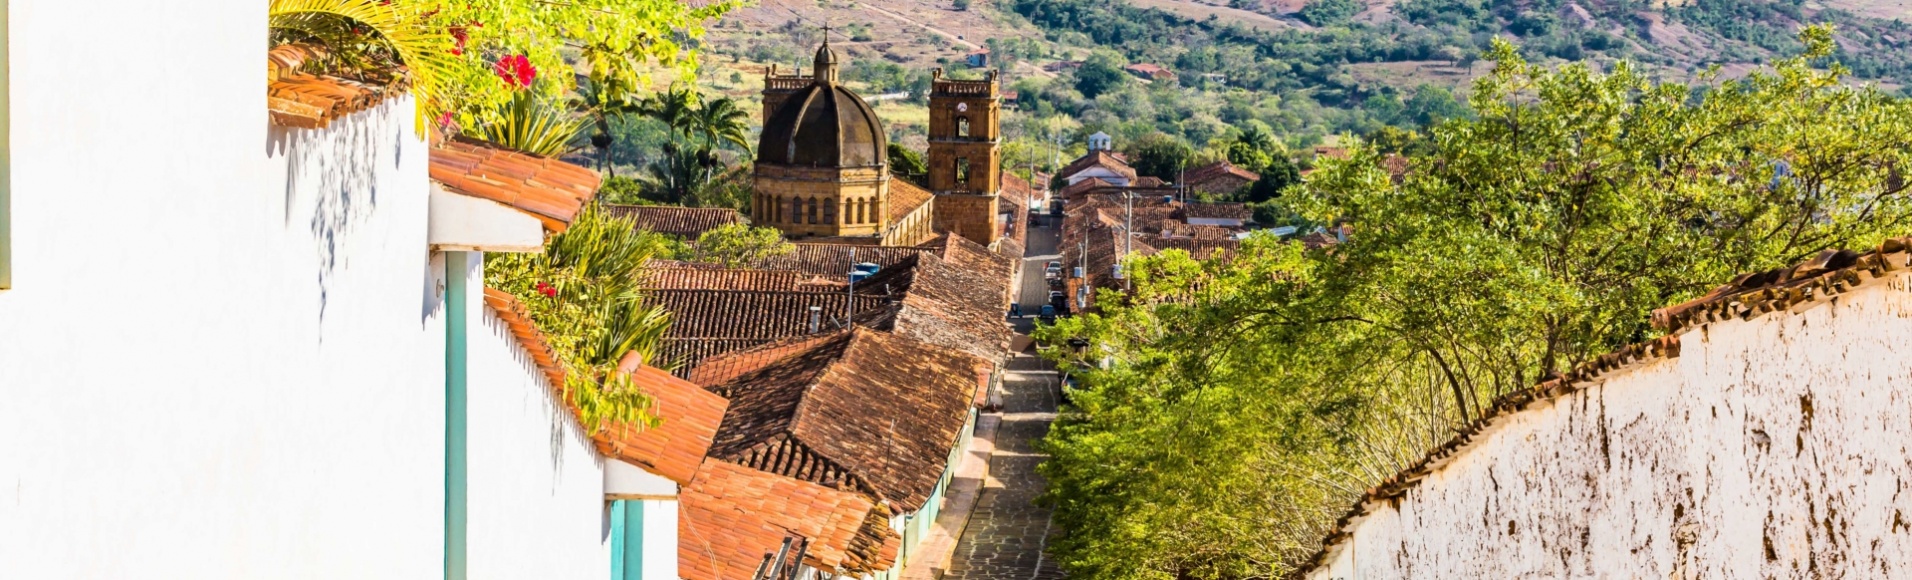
(457, 265)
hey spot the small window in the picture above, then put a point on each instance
(811, 212)
(796, 211)
(962, 172)
(829, 211)
(962, 126)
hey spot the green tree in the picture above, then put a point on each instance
(1231, 408)
(736, 245)
(1160, 154)
(1329, 12)
(1101, 73)
(908, 164)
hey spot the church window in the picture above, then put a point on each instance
(962, 126)
(830, 212)
(796, 211)
(810, 212)
(962, 172)
(862, 211)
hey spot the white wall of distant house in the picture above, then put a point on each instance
(1098, 171)
(536, 483)
(1768, 448)
(222, 357)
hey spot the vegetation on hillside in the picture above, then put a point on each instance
(1230, 409)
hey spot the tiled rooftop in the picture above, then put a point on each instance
(551, 190)
(905, 197)
(1099, 158)
(835, 260)
(1197, 177)
(309, 101)
(1233, 211)
(684, 222)
(699, 278)
(710, 322)
(731, 516)
(814, 414)
(688, 417)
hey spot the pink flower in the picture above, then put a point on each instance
(516, 71)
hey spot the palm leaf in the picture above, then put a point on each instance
(527, 124)
(425, 50)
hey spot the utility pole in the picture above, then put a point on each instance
(1128, 236)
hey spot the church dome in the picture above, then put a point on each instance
(824, 125)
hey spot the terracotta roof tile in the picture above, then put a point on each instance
(905, 197)
(946, 303)
(519, 322)
(836, 260)
(1200, 176)
(710, 322)
(731, 516)
(1825, 276)
(551, 190)
(1233, 211)
(687, 415)
(1099, 158)
(862, 409)
(701, 278)
(685, 222)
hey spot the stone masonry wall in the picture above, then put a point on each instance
(1770, 448)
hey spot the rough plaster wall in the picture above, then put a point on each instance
(223, 357)
(1772, 448)
(536, 484)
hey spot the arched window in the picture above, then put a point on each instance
(962, 126)
(810, 212)
(830, 212)
(776, 208)
(962, 172)
(863, 211)
(796, 211)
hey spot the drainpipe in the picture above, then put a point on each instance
(457, 268)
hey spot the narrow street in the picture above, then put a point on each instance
(1007, 533)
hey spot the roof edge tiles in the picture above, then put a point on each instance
(518, 321)
(312, 101)
(545, 188)
(1790, 290)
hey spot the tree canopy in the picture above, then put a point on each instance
(1229, 409)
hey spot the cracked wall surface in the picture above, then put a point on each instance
(1770, 448)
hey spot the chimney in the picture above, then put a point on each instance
(816, 318)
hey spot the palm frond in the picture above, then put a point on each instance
(403, 27)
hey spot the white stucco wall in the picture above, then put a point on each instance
(536, 483)
(223, 354)
(1771, 448)
(1098, 171)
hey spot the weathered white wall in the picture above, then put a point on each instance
(1771, 448)
(222, 357)
(536, 483)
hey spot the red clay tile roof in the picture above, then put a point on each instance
(835, 260)
(1228, 211)
(684, 222)
(1197, 177)
(862, 409)
(944, 303)
(905, 197)
(310, 101)
(702, 278)
(1826, 276)
(1080, 187)
(1147, 181)
(730, 516)
(551, 190)
(518, 320)
(711, 322)
(1099, 158)
(722, 368)
(687, 415)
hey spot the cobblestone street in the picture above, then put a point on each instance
(1007, 532)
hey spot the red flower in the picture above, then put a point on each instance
(458, 36)
(516, 71)
(547, 290)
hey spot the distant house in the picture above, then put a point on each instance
(1062, 65)
(1232, 215)
(1100, 164)
(1220, 177)
(1153, 72)
(977, 59)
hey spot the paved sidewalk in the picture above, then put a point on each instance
(1008, 532)
(964, 488)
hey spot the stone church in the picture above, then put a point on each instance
(823, 173)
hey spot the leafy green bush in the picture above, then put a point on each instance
(1329, 12)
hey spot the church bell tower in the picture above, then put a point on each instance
(965, 156)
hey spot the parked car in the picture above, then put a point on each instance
(1048, 314)
(1059, 300)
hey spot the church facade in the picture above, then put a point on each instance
(822, 172)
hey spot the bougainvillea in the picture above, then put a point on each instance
(516, 71)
